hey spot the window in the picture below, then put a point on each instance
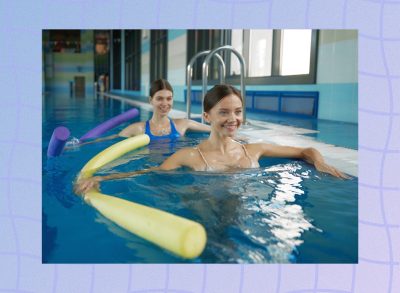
(65, 41)
(237, 43)
(158, 55)
(132, 59)
(202, 40)
(101, 53)
(271, 56)
(116, 59)
(260, 53)
(296, 52)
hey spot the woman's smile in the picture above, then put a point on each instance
(164, 109)
(230, 126)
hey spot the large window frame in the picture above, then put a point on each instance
(101, 59)
(116, 59)
(65, 41)
(195, 45)
(158, 54)
(132, 59)
(202, 40)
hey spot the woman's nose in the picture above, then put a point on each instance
(232, 117)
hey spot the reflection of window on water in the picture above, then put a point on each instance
(65, 41)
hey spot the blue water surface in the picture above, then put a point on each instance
(282, 212)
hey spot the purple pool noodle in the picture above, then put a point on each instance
(57, 141)
(109, 124)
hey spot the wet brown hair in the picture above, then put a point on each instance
(217, 93)
(158, 85)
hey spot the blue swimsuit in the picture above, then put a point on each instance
(173, 135)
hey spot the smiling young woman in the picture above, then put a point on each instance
(160, 126)
(223, 110)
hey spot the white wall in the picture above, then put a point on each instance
(177, 48)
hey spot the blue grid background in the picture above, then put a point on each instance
(21, 23)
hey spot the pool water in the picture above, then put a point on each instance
(282, 212)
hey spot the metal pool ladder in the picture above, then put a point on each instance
(189, 76)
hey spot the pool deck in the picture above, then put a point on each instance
(345, 159)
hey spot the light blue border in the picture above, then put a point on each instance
(20, 146)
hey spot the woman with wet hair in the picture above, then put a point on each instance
(223, 110)
(160, 126)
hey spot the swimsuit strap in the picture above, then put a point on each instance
(174, 131)
(247, 154)
(208, 166)
(204, 159)
(147, 128)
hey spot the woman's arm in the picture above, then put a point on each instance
(314, 157)
(182, 158)
(84, 185)
(184, 125)
(310, 155)
(197, 126)
(177, 160)
(132, 130)
(100, 139)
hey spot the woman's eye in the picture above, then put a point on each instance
(238, 112)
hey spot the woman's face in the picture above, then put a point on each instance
(226, 116)
(162, 102)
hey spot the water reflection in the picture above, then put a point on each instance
(250, 217)
(284, 219)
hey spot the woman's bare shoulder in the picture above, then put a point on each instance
(133, 129)
(185, 157)
(188, 124)
(256, 148)
(253, 146)
(187, 152)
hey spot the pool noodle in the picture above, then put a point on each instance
(181, 236)
(113, 152)
(57, 141)
(178, 235)
(109, 124)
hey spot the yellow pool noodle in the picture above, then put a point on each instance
(178, 235)
(181, 236)
(112, 153)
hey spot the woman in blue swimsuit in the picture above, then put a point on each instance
(160, 126)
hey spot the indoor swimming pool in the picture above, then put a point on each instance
(283, 212)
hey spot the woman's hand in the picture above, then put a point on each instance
(323, 167)
(84, 185)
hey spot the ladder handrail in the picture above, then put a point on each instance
(189, 75)
(242, 76)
